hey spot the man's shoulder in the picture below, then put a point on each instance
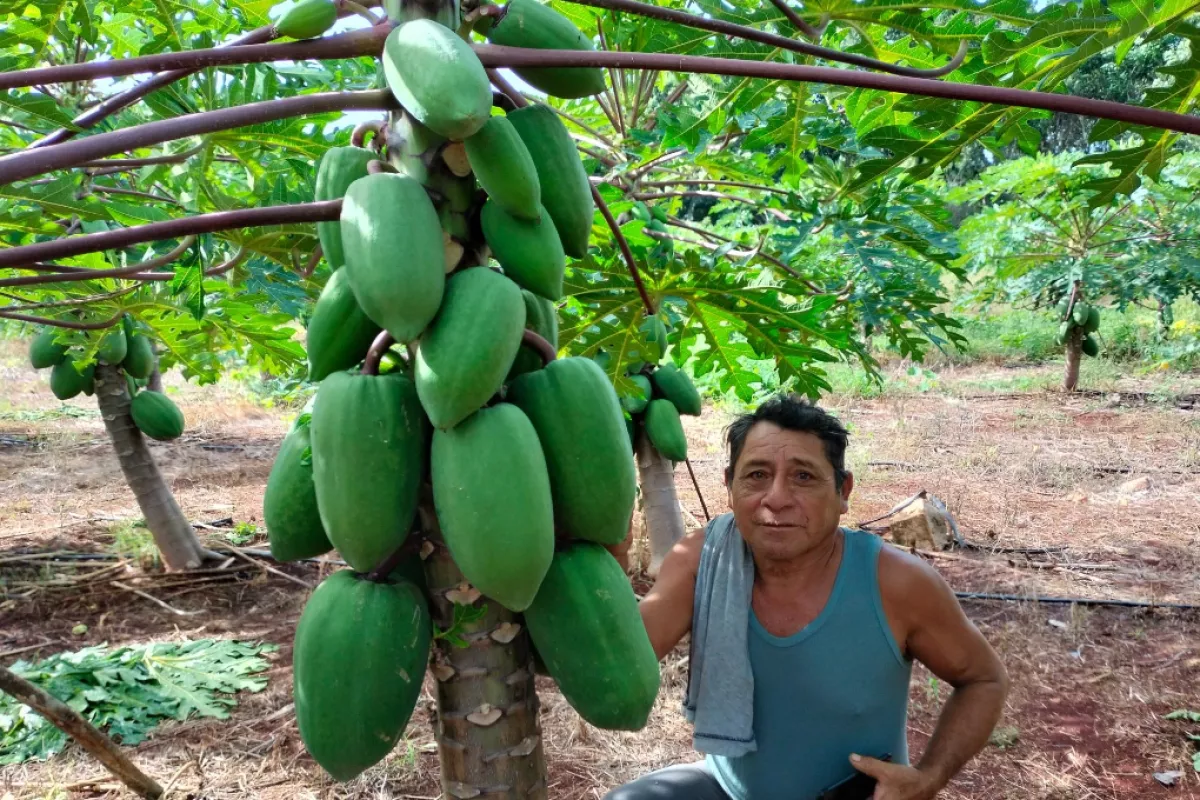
(906, 577)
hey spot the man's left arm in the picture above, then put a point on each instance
(937, 633)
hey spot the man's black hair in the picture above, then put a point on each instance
(792, 413)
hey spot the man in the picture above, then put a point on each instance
(832, 621)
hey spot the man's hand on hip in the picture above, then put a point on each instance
(897, 781)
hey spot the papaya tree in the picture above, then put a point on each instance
(470, 471)
(1040, 236)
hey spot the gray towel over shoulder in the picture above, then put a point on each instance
(720, 690)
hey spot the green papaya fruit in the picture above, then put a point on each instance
(1092, 324)
(579, 421)
(588, 631)
(1091, 345)
(307, 19)
(566, 192)
(455, 224)
(157, 416)
(528, 23)
(394, 254)
(139, 356)
(458, 194)
(113, 347)
(463, 358)
(89, 380)
(492, 496)
(368, 454)
(45, 352)
(504, 168)
(290, 502)
(674, 384)
(665, 430)
(660, 215)
(541, 317)
(358, 664)
(1064, 330)
(66, 381)
(641, 211)
(1079, 314)
(529, 251)
(339, 167)
(131, 385)
(339, 333)
(655, 331)
(1062, 306)
(437, 77)
(636, 404)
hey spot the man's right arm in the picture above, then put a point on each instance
(667, 608)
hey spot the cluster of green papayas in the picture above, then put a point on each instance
(662, 393)
(656, 219)
(154, 414)
(1082, 318)
(455, 244)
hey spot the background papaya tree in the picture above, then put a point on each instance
(1039, 237)
(832, 239)
(209, 302)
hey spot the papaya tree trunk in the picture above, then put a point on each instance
(173, 534)
(660, 503)
(1165, 318)
(1074, 356)
(489, 740)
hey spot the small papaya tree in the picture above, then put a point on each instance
(1044, 234)
(444, 396)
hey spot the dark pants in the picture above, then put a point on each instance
(680, 782)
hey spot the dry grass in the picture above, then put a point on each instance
(1084, 719)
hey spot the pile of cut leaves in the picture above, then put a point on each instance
(127, 691)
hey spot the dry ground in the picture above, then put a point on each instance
(1090, 684)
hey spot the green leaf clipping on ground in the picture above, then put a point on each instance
(127, 691)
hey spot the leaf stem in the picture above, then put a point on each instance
(498, 56)
(810, 33)
(630, 262)
(30, 163)
(63, 323)
(83, 274)
(772, 39)
(352, 44)
(326, 210)
(130, 96)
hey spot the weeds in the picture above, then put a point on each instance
(133, 540)
(242, 534)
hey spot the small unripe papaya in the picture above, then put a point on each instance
(44, 351)
(528, 23)
(504, 168)
(307, 19)
(529, 251)
(438, 78)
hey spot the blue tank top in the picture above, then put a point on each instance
(836, 687)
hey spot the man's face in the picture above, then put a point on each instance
(783, 494)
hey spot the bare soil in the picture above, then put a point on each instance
(1091, 684)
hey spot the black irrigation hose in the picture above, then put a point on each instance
(1080, 601)
(1008, 598)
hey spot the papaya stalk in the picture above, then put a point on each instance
(378, 347)
(486, 725)
(538, 343)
